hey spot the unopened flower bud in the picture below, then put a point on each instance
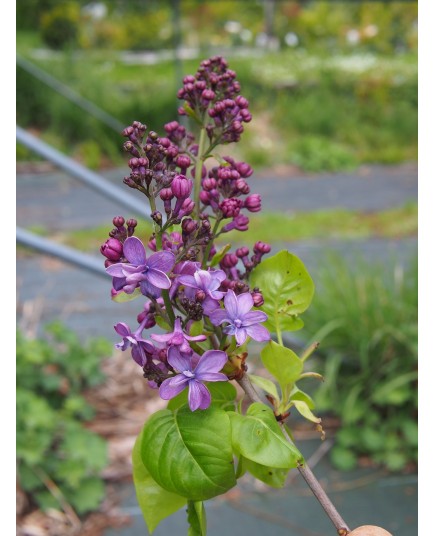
(253, 203)
(261, 248)
(258, 299)
(200, 296)
(157, 217)
(112, 249)
(118, 221)
(229, 261)
(181, 186)
(242, 252)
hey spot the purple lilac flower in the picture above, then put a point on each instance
(209, 282)
(242, 322)
(178, 338)
(140, 347)
(149, 273)
(207, 369)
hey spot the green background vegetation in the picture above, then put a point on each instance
(325, 104)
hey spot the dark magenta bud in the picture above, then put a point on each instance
(244, 169)
(112, 249)
(132, 223)
(253, 203)
(118, 221)
(181, 186)
(229, 261)
(189, 226)
(205, 197)
(208, 94)
(200, 296)
(258, 299)
(242, 252)
(183, 161)
(166, 194)
(261, 248)
(209, 184)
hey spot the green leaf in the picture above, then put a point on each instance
(223, 395)
(258, 437)
(197, 328)
(190, 453)
(162, 323)
(287, 289)
(297, 394)
(155, 502)
(272, 476)
(196, 518)
(220, 254)
(282, 363)
(123, 297)
(304, 410)
(88, 496)
(266, 385)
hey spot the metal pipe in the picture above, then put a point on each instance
(65, 253)
(90, 178)
(70, 94)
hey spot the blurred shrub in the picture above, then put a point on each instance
(60, 25)
(365, 317)
(58, 459)
(319, 154)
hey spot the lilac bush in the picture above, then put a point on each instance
(209, 302)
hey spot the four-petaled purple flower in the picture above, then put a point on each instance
(208, 282)
(178, 338)
(242, 322)
(140, 347)
(149, 273)
(207, 369)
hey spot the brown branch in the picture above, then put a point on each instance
(306, 473)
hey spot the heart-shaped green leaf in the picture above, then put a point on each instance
(287, 289)
(257, 437)
(155, 502)
(190, 453)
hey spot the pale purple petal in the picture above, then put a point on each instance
(195, 337)
(187, 280)
(209, 305)
(231, 304)
(161, 337)
(158, 279)
(129, 289)
(245, 303)
(198, 395)
(211, 361)
(122, 329)
(134, 251)
(162, 260)
(148, 289)
(218, 316)
(220, 275)
(116, 270)
(241, 335)
(203, 279)
(129, 269)
(212, 377)
(177, 360)
(253, 317)
(186, 267)
(216, 294)
(173, 386)
(135, 278)
(258, 333)
(119, 283)
(138, 354)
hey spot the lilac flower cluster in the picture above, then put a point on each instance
(204, 303)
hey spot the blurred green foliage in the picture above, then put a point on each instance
(59, 461)
(365, 317)
(340, 88)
